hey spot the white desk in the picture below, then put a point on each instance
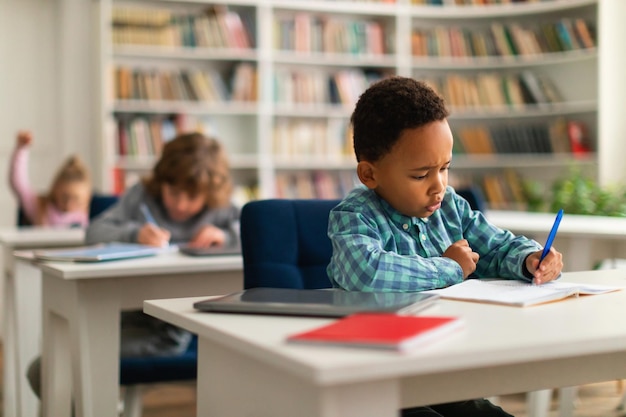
(579, 237)
(22, 311)
(81, 320)
(583, 241)
(246, 368)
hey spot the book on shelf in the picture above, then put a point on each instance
(518, 293)
(578, 137)
(216, 27)
(555, 137)
(494, 192)
(515, 187)
(559, 137)
(472, 141)
(186, 84)
(314, 184)
(503, 39)
(565, 32)
(380, 331)
(585, 33)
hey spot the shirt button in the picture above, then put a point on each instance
(405, 226)
(423, 237)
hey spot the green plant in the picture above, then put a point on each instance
(578, 194)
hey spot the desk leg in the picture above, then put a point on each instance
(230, 383)
(91, 332)
(567, 401)
(538, 403)
(28, 331)
(10, 373)
(56, 381)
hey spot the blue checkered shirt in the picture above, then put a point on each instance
(376, 248)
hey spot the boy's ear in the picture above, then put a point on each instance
(366, 172)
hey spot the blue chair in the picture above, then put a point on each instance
(100, 202)
(284, 243)
(474, 197)
(139, 371)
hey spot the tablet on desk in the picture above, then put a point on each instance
(210, 251)
(99, 253)
(320, 303)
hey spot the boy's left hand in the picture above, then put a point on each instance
(209, 235)
(550, 268)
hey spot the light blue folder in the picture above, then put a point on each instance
(99, 253)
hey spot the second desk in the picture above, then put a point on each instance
(81, 319)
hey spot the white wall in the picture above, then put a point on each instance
(46, 86)
(612, 91)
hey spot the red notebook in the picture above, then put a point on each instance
(383, 331)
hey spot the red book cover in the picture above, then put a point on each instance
(382, 331)
(578, 137)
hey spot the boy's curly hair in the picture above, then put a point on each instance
(388, 107)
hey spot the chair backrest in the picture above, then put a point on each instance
(101, 202)
(98, 204)
(155, 369)
(285, 244)
(474, 197)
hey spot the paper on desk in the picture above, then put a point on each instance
(517, 293)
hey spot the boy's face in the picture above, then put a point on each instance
(181, 205)
(72, 196)
(413, 176)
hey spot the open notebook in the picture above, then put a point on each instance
(99, 253)
(517, 293)
(322, 303)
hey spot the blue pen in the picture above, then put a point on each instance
(146, 214)
(551, 236)
(150, 219)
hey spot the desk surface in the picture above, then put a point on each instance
(493, 335)
(165, 263)
(29, 237)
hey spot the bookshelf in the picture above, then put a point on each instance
(523, 131)
(278, 85)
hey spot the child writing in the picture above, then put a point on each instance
(407, 230)
(187, 199)
(67, 202)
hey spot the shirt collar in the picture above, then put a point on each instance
(398, 218)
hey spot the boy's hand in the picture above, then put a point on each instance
(24, 138)
(461, 253)
(209, 235)
(550, 268)
(152, 235)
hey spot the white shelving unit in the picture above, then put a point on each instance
(248, 129)
(573, 72)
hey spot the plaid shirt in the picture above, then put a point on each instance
(376, 248)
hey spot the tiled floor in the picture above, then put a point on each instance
(594, 400)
